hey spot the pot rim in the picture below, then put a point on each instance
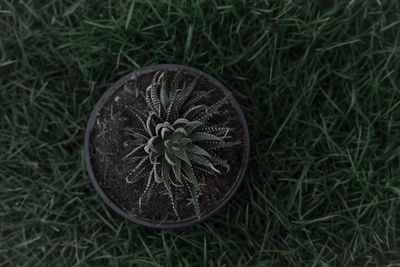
(184, 222)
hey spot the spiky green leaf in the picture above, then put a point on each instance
(203, 136)
(180, 122)
(191, 126)
(183, 156)
(195, 100)
(163, 91)
(160, 126)
(193, 194)
(171, 159)
(155, 140)
(175, 83)
(188, 91)
(155, 155)
(165, 170)
(206, 169)
(218, 131)
(147, 98)
(172, 196)
(177, 170)
(137, 132)
(199, 159)
(171, 111)
(165, 132)
(139, 115)
(217, 161)
(150, 122)
(180, 131)
(154, 95)
(193, 112)
(197, 150)
(157, 173)
(149, 186)
(190, 175)
(184, 141)
(137, 152)
(213, 109)
(136, 174)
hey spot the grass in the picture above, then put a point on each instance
(317, 80)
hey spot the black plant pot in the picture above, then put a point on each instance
(104, 147)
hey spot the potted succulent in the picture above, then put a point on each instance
(166, 146)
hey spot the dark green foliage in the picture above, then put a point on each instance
(319, 85)
(170, 145)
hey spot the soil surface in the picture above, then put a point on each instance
(109, 143)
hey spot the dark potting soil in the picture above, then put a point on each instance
(109, 143)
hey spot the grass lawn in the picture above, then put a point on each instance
(319, 82)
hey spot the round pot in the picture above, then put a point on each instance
(100, 141)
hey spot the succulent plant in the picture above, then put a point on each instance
(175, 141)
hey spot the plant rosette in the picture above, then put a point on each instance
(166, 146)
